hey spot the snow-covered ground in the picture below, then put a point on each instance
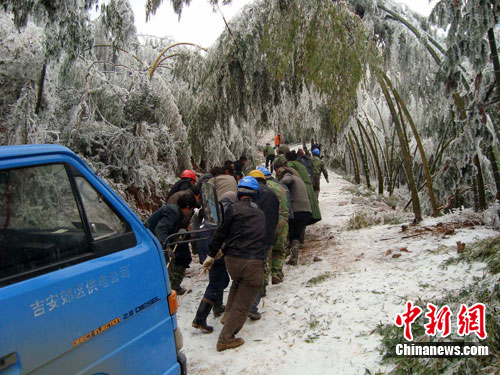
(321, 319)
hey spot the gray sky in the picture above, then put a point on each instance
(200, 24)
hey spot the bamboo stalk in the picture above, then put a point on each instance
(480, 183)
(188, 289)
(423, 39)
(355, 159)
(159, 59)
(493, 157)
(363, 159)
(385, 151)
(425, 166)
(475, 193)
(41, 82)
(375, 158)
(407, 163)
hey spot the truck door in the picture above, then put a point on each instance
(81, 292)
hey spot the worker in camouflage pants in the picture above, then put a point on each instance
(276, 257)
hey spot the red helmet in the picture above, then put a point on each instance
(188, 173)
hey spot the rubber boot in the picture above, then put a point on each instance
(200, 320)
(176, 274)
(294, 258)
(218, 309)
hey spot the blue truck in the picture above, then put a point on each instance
(84, 287)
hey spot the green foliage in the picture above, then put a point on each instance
(392, 219)
(300, 36)
(468, 22)
(65, 23)
(487, 251)
(363, 219)
(319, 279)
(118, 22)
(141, 105)
(485, 290)
(302, 67)
(393, 201)
(392, 335)
(153, 5)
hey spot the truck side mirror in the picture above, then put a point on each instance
(210, 204)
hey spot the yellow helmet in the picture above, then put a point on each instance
(257, 174)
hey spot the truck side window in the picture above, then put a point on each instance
(103, 221)
(40, 224)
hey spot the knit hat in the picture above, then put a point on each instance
(283, 149)
(279, 163)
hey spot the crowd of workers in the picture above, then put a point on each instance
(264, 222)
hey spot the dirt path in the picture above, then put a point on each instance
(321, 319)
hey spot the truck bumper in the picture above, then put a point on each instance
(181, 358)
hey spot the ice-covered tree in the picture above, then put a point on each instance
(140, 109)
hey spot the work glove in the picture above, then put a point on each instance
(171, 253)
(209, 262)
(180, 231)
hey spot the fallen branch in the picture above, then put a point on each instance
(413, 235)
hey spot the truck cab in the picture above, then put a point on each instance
(84, 287)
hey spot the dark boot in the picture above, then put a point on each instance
(218, 309)
(254, 315)
(181, 291)
(276, 280)
(294, 258)
(234, 343)
(176, 274)
(200, 320)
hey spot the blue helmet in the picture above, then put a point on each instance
(264, 170)
(249, 186)
(315, 151)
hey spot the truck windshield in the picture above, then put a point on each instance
(40, 224)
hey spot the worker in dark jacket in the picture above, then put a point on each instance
(167, 220)
(243, 234)
(182, 256)
(218, 279)
(188, 178)
(307, 162)
(240, 164)
(269, 203)
(269, 154)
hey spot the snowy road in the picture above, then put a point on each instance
(320, 320)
